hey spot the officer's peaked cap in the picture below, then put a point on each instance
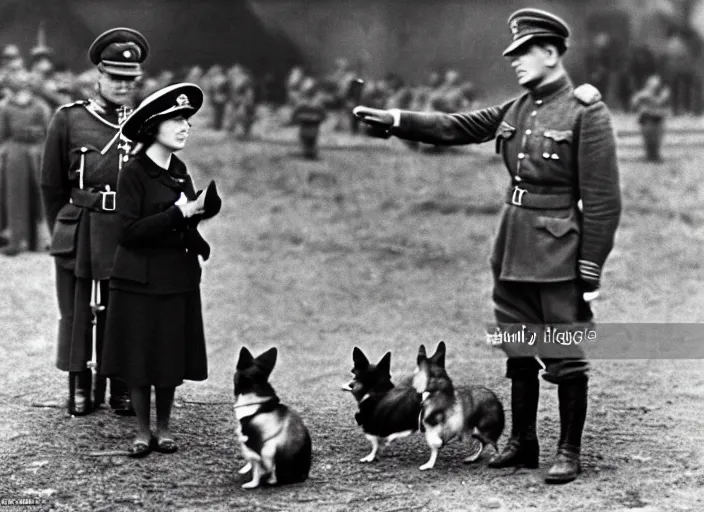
(183, 99)
(119, 51)
(529, 24)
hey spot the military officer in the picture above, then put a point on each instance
(558, 225)
(83, 153)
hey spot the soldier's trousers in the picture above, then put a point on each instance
(540, 304)
(75, 339)
(652, 130)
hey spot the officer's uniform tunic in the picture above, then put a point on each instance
(559, 148)
(82, 155)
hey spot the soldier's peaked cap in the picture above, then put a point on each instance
(119, 51)
(182, 99)
(529, 24)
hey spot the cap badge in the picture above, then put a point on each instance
(127, 54)
(514, 27)
(182, 100)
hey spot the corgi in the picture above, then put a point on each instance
(385, 412)
(273, 438)
(449, 412)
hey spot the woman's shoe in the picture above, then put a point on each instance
(166, 445)
(140, 448)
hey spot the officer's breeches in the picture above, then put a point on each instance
(541, 304)
(75, 340)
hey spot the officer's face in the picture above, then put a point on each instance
(533, 63)
(117, 89)
(173, 133)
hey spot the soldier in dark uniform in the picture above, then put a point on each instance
(651, 104)
(558, 227)
(83, 153)
(308, 114)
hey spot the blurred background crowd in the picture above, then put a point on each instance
(650, 73)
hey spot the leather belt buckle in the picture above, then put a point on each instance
(517, 196)
(108, 200)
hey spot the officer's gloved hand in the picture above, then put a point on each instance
(379, 122)
(590, 279)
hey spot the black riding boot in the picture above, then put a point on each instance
(79, 393)
(522, 448)
(120, 401)
(572, 396)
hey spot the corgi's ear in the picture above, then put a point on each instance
(267, 360)
(422, 355)
(245, 360)
(360, 360)
(420, 378)
(439, 355)
(384, 364)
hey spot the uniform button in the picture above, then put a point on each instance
(518, 178)
(546, 155)
(521, 155)
(554, 156)
(539, 102)
(528, 132)
(535, 112)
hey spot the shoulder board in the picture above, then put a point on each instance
(74, 104)
(587, 94)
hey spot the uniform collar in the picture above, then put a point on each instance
(552, 89)
(173, 177)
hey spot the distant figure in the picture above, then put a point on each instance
(218, 94)
(24, 119)
(309, 114)
(679, 70)
(10, 61)
(241, 107)
(293, 86)
(652, 105)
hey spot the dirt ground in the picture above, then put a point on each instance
(385, 249)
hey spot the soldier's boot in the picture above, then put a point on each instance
(522, 448)
(79, 391)
(572, 396)
(120, 401)
(99, 388)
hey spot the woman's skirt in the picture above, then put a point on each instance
(154, 340)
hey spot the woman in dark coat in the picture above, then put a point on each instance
(154, 332)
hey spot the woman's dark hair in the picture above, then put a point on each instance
(148, 133)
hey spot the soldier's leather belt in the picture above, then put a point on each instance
(95, 200)
(519, 196)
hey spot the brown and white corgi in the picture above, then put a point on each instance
(450, 412)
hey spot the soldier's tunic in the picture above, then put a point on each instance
(82, 155)
(559, 147)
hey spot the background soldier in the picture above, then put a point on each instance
(23, 123)
(559, 147)
(308, 114)
(83, 153)
(241, 108)
(652, 104)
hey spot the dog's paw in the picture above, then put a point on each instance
(245, 469)
(250, 485)
(426, 466)
(368, 458)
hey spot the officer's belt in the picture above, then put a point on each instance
(520, 196)
(95, 200)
